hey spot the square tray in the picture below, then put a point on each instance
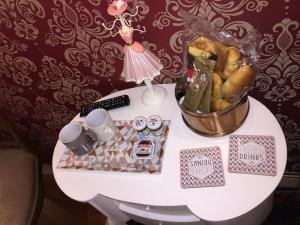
(116, 155)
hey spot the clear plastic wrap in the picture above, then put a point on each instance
(219, 69)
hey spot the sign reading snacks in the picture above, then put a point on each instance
(201, 167)
(252, 154)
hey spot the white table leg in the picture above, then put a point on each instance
(109, 208)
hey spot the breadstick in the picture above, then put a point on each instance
(238, 81)
(219, 104)
(217, 86)
(221, 57)
(233, 56)
(202, 47)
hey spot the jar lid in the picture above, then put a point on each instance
(154, 122)
(139, 123)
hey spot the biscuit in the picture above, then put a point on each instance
(233, 57)
(219, 104)
(216, 86)
(202, 47)
(238, 81)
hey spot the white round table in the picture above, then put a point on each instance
(159, 199)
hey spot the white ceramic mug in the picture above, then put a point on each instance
(79, 140)
(101, 124)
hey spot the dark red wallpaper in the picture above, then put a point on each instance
(55, 56)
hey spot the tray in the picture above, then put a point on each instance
(117, 154)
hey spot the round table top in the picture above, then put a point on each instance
(240, 194)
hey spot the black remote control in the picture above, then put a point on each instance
(107, 104)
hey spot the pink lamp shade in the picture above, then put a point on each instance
(139, 63)
(140, 66)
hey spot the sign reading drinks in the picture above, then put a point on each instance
(251, 153)
(201, 166)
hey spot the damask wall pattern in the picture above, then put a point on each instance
(55, 57)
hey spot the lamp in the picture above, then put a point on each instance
(140, 65)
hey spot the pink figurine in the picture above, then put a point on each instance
(139, 63)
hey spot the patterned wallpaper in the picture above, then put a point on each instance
(55, 56)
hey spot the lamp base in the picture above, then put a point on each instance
(154, 96)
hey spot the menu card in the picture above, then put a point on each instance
(252, 154)
(201, 167)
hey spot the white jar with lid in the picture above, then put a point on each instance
(140, 125)
(154, 123)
